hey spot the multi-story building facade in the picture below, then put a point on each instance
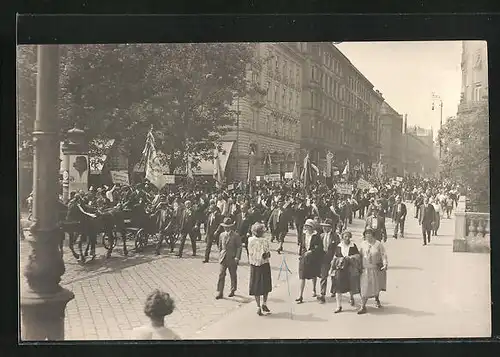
(340, 108)
(269, 119)
(419, 152)
(392, 140)
(474, 75)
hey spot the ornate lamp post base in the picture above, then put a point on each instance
(43, 314)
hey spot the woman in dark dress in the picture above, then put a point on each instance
(311, 257)
(346, 270)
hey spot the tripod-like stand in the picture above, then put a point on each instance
(284, 268)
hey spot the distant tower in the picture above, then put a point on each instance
(406, 123)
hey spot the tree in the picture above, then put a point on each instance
(118, 91)
(465, 154)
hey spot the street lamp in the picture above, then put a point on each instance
(43, 300)
(436, 97)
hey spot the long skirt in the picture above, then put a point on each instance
(309, 266)
(260, 279)
(373, 281)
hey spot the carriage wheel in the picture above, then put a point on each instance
(140, 239)
(108, 242)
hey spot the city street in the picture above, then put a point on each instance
(432, 292)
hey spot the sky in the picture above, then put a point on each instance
(407, 73)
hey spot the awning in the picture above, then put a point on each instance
(97, 162)
(207, 166)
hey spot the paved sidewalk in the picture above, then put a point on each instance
(432, 293)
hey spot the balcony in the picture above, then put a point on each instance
(472, 230)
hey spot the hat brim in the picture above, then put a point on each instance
(227, 225)
(325, 224)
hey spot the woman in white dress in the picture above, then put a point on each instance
(374, 269)
(158, 305)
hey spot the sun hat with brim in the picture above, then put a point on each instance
(327, 223)
(311, 223)
(227, 222)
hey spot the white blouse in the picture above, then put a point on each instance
(344, 249)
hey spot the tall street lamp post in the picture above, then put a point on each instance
(438, 98)
(43, 300)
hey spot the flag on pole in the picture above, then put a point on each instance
(154, 168)
(267, 163)
(346, 169)
(329, 163)
(217, 171)
(307, 173)
(295, 172)
(251, 165)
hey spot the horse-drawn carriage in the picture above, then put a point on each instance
(137, 224)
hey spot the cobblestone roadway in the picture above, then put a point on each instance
(109, 294)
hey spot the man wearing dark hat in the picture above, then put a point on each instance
(377, 223)
(243, 222)
(330, 240)
(278, 222)
(300, 214)
(212, 228)
(229, 257)
(186, 224)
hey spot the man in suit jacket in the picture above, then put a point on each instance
(330, 240)
(376, 221)
(229, 257)
(278, 222)
(244, 221)
(186, 221)
(425, 219)
(300, 214)
(399, 217)
(212, 228)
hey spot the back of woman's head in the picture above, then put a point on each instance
(158, 304)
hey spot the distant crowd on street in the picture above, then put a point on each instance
(235, 219)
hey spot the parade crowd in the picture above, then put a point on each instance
(235, 221)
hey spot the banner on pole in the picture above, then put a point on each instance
(288, 175)
(344, 188)
(230, 187)
(169, 179)
(257, 178)
(120, 177)
(273, 177)
(399, 178)
(364, 185)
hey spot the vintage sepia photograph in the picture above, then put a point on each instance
(265, 190)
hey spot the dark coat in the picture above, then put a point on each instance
(346, 273)
(330, 251)
(401, 216)
(427, 215)
(213, 228)
(311, 258)
(243, 226)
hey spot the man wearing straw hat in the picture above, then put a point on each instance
(229, 256)
(330, 241)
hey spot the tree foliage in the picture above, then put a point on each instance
(465, 157)
(119, 91)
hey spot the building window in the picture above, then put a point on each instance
(277, 63)
(269, 90)
(290, 104)
(297, 103)
(312, 73)
(283, 98)
(312, 99)
(477, 93)
(297, 77)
